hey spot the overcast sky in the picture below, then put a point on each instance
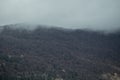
(96, 14)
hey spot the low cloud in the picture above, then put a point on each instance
(92, 14)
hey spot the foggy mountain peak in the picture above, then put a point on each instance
(30, 26)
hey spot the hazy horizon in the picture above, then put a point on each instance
(91, 14)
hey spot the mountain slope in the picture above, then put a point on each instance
(51, 53)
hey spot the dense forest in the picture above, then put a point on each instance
(58, 54)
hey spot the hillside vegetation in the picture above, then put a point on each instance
(58, 54)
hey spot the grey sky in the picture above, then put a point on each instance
(96, 14)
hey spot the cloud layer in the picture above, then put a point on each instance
(95, 14)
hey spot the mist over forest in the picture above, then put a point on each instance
(45, 53)
(59, 39)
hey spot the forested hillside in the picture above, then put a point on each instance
(58, 54)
